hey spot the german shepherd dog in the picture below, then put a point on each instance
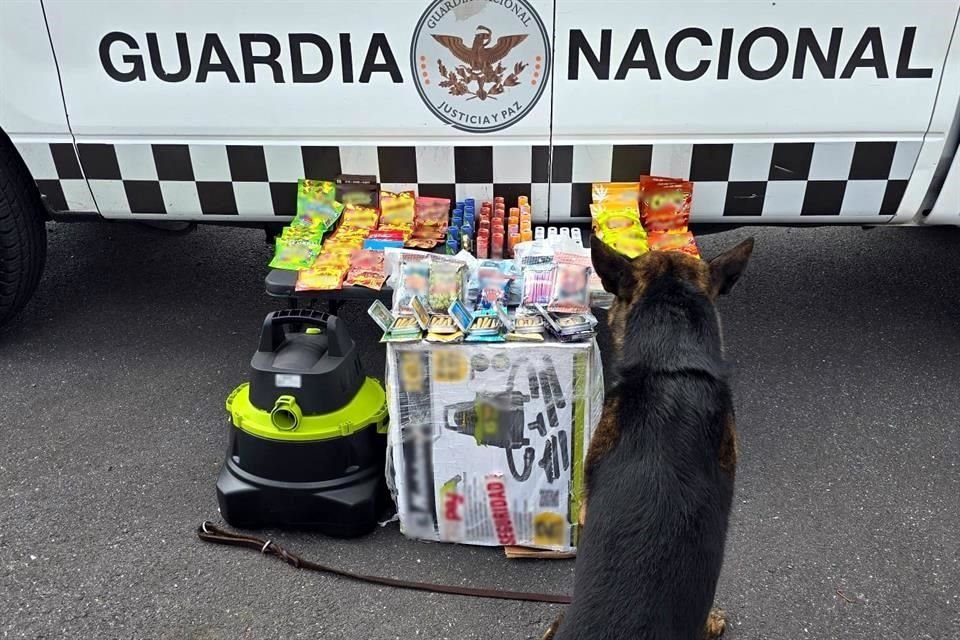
(660, 467)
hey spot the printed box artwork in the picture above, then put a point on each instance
(487, 442)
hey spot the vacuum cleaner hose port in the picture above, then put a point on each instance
(286, 414)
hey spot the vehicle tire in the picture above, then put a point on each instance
(23, 234)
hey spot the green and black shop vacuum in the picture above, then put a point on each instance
(307, 440)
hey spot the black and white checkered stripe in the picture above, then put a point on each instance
(771, 180)
(56, 170)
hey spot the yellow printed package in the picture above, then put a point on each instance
(397, 210)
(618, 226)
(320, 278)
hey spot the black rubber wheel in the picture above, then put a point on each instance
(23, 234)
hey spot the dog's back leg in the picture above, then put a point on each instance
(716, 624)
(552, 631)
(717, 619)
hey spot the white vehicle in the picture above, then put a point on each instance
(780, 112)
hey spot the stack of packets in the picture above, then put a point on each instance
(649, 215)
(555, 291)
(426, 287)
(397, 211)
(330, 268)
(431, 295)
(317, 213)
(352, 253)
(366, 269)
(430, 222)
(419, 222)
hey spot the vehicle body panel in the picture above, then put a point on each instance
(31, 107)
(946, 209)
(800, 111)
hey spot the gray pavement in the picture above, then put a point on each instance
(847, 346)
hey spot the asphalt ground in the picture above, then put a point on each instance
(112, 382)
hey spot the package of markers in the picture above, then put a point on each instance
(535, 261)
(537, 284)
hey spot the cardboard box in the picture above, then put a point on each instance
(487, 441)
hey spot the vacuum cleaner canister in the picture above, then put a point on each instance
(308, 434)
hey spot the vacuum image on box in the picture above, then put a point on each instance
(307, 440)
(497, 419)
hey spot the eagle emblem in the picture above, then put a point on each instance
(481, 72)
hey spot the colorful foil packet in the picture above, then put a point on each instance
(317, 190)
(431, 219)
(320, 278)
(665, 203)
(358, 190)
(317, 207)
(366, 269)
(383, 239)
(359, 217)
(618, 226)
(369, 279)
(397, 210)
(683, 242)
(294, 254)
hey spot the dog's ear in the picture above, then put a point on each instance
(727, 267)
(613, 267)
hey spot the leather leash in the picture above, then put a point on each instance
(208, 532)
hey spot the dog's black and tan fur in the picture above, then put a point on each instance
(660, 468)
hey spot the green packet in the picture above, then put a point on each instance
(316, 206)
(294, 255)
(301, 234)
(317, 216)
(317, 190)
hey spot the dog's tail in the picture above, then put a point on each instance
(552, 631)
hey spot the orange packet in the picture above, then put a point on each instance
(665, 203)
(683, 242)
